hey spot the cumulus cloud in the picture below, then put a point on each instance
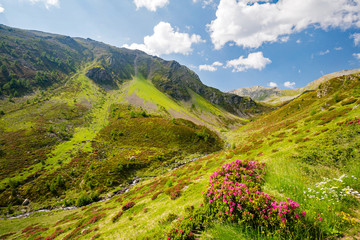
(253, 61)
(48, 3)
(289, 84)
(356, 55)
(322, 53)
(206, 3)
(212, 68)
(338, 48)
(165, 40)
(151, 5)
(356, 37)
(1, 9)
(272, 84)
(252, 23)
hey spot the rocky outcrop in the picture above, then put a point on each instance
(99, 75)
(102, 77)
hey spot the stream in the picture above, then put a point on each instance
(109, 196)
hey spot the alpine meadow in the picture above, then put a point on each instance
(102, 142)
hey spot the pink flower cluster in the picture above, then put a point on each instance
(234, 194)
(349, 122)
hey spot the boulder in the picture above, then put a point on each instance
(26, 202)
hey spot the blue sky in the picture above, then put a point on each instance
(228, 43)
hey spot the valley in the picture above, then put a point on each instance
(99, 142)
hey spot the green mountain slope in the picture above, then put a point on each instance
(310, 148)
(276, 96)
(124, 140)
(31, 60)
(80, 127)
(69, 105)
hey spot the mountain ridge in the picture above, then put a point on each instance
(278, 96)
(64, 55)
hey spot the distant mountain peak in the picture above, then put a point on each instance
(258, 93)
(277, 96)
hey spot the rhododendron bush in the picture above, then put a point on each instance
(234, 194)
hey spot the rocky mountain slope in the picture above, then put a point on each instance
(277, 96)
(31, 60)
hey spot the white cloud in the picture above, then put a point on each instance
(219, 64)
(206, 3)
(324, 52)
(338, 48)
(151, 5)
(252, 23)
(209, 68)
(285, 39)
(298, 41)
(253, 61)
(48, 3)
(272, 84)
(166, 41)
(2, 9)
(212, 68)
(289, 84)
(356, 55)
(356, 37)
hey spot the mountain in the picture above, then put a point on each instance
(98, 142)
(79, 116)
(276, 96)
(35, 60)
(308, 148)
(258, 93)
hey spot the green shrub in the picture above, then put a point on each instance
(60, 181)
(115, 134)
(83, 200)
(169, 183)
(52, 188)
(168, 219)
(13, 183)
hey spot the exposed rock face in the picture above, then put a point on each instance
(100, 76)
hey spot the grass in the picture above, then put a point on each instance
(144, 89)
(303, 153)
(92, 159)
(233, 231)
(201, 111)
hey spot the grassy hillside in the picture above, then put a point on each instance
(277, 97)
(79, 116)
(119, 147)
(310, 151)
(142, 92)
(62, 144)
